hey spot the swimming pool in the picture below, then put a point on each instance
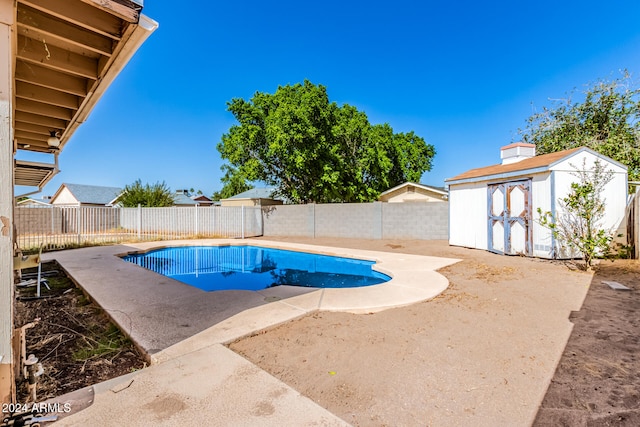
(213, 268)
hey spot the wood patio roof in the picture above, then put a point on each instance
(67, 52)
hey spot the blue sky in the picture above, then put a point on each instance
(463, 75)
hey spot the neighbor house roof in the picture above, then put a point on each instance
(202, 200)
(182, 199)
(541, 161)
(33, 202)
(90, 194)
(439, 190)
(255, 193)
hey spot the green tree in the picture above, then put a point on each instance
(233, 183)
(577, 226)
(312, 150)
(155, 195)
(607, 120)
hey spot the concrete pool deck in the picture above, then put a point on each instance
(193, 375)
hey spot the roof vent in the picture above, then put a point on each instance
(517, 151)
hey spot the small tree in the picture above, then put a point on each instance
(233, 183)
(156, 195)
(578, 225)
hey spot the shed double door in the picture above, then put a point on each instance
(509, 218)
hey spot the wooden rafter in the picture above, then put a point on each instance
(128, 11)
(47, 110)
(66, 54)
(43, 131)
(32, 21)
(47, 96)
(36, 119)
(82, 15)
(41, 76)
(38, 145)
(55, 58)
(21, 134)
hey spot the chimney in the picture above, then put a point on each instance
(517, 151)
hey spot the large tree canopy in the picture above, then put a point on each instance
(606, 120)
(312, 150)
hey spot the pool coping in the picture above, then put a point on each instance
(188, 367)
(155, 310)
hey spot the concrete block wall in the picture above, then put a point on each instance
(289, 220)
(356, 220)
(30, 220)
(424, 221)
(427, 221)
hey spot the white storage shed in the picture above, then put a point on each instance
(496, 207)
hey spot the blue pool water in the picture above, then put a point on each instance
(213, 268)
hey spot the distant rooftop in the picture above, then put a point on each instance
(92, 194)
(180, 198)
(255, 193)
(416, 184)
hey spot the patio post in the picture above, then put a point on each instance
(7, 40)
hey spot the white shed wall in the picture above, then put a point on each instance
(468, 215)
(575, 162)
(614, 194)
(541, 194)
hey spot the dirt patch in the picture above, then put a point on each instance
(481, 353)
(74, 340)
(597, 382)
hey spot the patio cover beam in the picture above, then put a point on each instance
(7, 40)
